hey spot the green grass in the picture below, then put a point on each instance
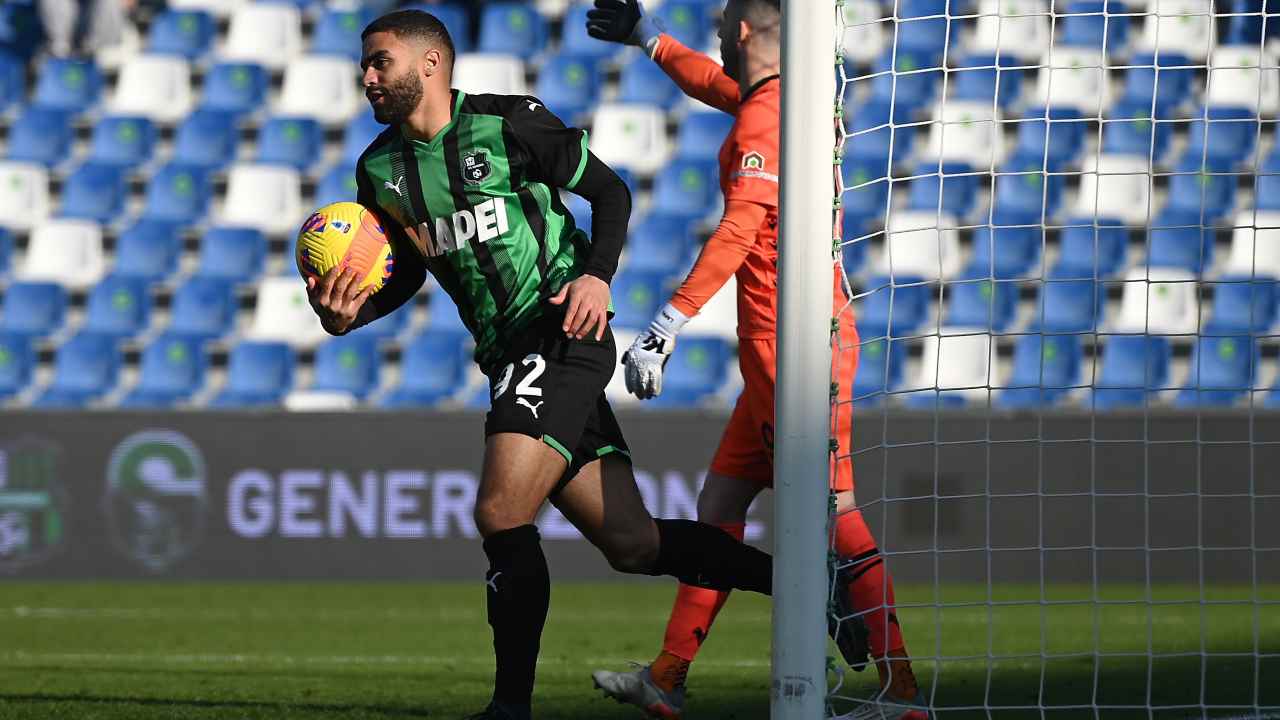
(215, 650)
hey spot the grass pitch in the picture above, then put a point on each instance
(370, 650)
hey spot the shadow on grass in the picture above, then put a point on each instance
(174, 704)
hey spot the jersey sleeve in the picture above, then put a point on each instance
(697, 75)
(753, 164)
(557, 154)
(721, 257)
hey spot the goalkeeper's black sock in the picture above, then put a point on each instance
(706, 556)
(519, 590)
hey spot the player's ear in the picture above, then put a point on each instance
(744, 32)
(432, 60)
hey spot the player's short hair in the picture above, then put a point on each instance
(414, 25)
(762, 14)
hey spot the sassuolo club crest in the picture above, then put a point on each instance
(475, 166)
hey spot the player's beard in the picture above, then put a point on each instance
(400, 99)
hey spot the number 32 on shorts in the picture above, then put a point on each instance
(532, 366)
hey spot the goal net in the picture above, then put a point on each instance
(1060, 228)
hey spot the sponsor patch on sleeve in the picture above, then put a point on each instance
(753, 166)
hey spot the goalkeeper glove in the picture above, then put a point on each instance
(649, 354)
(623, 21)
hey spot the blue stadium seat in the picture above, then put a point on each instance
(645, 83)
(1180, 240)
(1045, 368)
(358, 134)
(148, 250)
(853, 251)
(1222, 369)
(67, 84)
(85, 367)
(118, 307)
(981, 303)
(569, 85)
(580, 209)
(258, 374)
(347, 364)
(41, 135)
(1205, 191)
(206, 139)
(873, 139)
(1068, 306)
(387, 326)
(1132, 367)
(21, 32)
(1266, 190)
(203, 308)
(686, 188)
(187, 33)
(975, 78)
(701, 135)
(576, 41)
(172, 370)
(297, 142)
(236, 88)
(13, 79)
(1007, 249)
(1226, 134)
(922, 26)
(123, 141)
(1091, 248)
(17, 362)
(6, 250)
(337, 185)
(698, 368)
(637, 295)
(512, 28)
(881, 362)
(1095, 24)
(178, 193)
(685, 21)
(95, 192)
(456, 18)
(1024, 189)
(232, 253)
(866, 191)
(1244, 25)
(1243, 305)
(1164, 78)
(1129, 130)
(900, 305)
(916, 80)
(1057, 141)
(953, 191)
(433, 366)
(660, 243)
(337, 32)
(34, 309)
(442, 312)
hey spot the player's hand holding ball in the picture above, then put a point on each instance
(644, 361)
(344, 257)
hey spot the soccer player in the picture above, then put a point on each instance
(468, 188)
(745, 245)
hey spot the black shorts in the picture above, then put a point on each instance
(551, 388)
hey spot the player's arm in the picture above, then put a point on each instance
(624, 21)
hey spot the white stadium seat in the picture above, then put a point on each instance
(957, 359)
(24, 195)
(552, 8)
(922, 243)
(283, 314)
(967, 132)
(322, 87)
(1180, 26)
(265, 197)
(1244, 76)
(719, 317)
(68, 252)
(219, 8)
(1015, 28)
(1074, 77)
(1255, 245)
(269, 34)
(631, 136)
(154, 86)
(1117, 187)
(1159, 301)
(485, 73)
(864, 30)
(319, 401)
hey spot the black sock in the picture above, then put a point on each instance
(706, 556)
(519, 590)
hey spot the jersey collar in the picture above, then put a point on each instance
(759, 84)
(458, 95)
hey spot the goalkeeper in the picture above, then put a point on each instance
(745, 245)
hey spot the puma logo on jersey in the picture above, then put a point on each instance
(533, 106)
(387, 184)
(484, 222)
(492, 582)
(532, 408)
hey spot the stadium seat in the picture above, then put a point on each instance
(1221, 371)
(1045, 368)
(320, 87)
(264, 197)
(388, 326)
(118, 307)
(1091, 248)
(148, 250)
(982, 303)
(1068, 306)
(337, 32)
(178, 193)
(569, 85)
(1243, 76)
(17, 363)
(881, 364)
(235, 88)
(697, 369)
(1180, 26)
(269, 34)
(922, 25)
(1023, 189)
(686, 21)
(896, 306)
(21, 31)
(644, 82)
(258, 374)
(33, 309)
(953, 191)
(217, 8)
(1007, 249)
(865, 31)
(67, 84)
(1129, 130)
(1266, 189)
(337, 185)
(203, 308)
(94, 192)
(284, 314)
(154, 86)
(68, 252)
(187, 33)
(1019, 28)
(1052, 135)
(630, 136)
(512, 27)
(358, 134)
(1159, 300)
(1095, 24)
(874, 138)
(1226, 134)
(1243, 305)
(1180, 240)
(1163, 79)
(171, 371)
(6, 251)
(292, 141)
(1117, 187)
(347, 364)
(13, 79)
(906, 79)
(701, 135)
(689, 189)
(1244, 23)
(637, 295)
(442, 313)
(579, 208)
(965, 131)
(661, 243)
(206, 139)
(575, 39)
(922, 243)
(866, 192)
(40, 135)
(958, 367)
(455, 17)
(490, 73)
(982, 78)
(1255, 245)
(235, 254)
(122, 141)
(85, 367)
(1075, 78)
(433, 367)
(1132, 366)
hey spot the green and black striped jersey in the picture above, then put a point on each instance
(480, 202)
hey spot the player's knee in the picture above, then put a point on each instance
(492, 516)
(633, 554)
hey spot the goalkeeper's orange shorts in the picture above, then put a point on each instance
(746, 448)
